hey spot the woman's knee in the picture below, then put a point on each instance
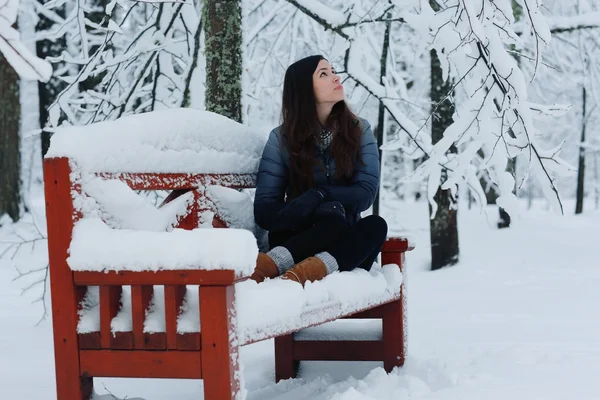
(376, 226)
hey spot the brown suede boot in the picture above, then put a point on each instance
(265, 268)
(312, 269)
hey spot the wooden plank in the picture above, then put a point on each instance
(173, 300)
(396, 244)
(338, 350)
(59, 215)
(121, 341)
(220, 358)
(175, 181)
(142, 364)
(373, 313)
(163, 277)
(89, 341)
(141, 295)
(110, 298)
(189, 341)
(393, 336)
(155, 341)
(285, 365)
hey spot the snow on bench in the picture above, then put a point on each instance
(265, 310)
(96, 247)
(170, 141)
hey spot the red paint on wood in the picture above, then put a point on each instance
(110, 299)
(220, 359)
(285, 365)
(59, 215)
(189, 341)
(155, 341)
(140, 302)
(339, 350)
(142, 364)
(396, 244)
(122, 341)
(373, 313)
(163, 277)
(173, 300)
(169, 181)
(190, 220)
(393, 336)
(89, 341)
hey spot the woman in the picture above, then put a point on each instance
(318, 171)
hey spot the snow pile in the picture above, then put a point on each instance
(122, 322)
(122, 208)
(168, 141)
(237, 211)
(274, 306)
(89, 313)
(96, 247)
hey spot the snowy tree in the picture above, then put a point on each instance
(135, 59)
(15, 61)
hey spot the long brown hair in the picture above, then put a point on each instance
(301, 124)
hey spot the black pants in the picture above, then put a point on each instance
(352, 246)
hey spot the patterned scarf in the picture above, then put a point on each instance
(324, 138)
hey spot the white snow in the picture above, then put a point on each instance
(273, 306)
(121, 208)
(514, 319)
(25, 63)
(96, 247)
(331, 16)
(170, 141)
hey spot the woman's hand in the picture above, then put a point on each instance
(330, 209)
(297, 212)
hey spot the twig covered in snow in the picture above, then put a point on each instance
(471, 39)
(136, 57)
(27, 65)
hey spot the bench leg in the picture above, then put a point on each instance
(220, 358)
(393, 335)
(285, 365)
(65, 296)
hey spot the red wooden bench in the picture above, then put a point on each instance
(212, 354)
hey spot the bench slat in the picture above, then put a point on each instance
(110, 297)
(141, 295)
(176, 181)
(189, 341)
(173, 300)
(141, 364)
(174, 277)
(338, 350)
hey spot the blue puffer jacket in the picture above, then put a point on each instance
(273, 178)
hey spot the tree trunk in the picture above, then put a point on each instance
(381, 117)
(581, 167)
(48, 91)
(443, 226)
(223, 43)
(10, 151)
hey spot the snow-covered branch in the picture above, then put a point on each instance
(27, 65)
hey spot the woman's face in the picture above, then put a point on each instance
(326, 84)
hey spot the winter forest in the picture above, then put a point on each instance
(486, 114)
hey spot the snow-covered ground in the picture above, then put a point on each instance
(517, 318)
